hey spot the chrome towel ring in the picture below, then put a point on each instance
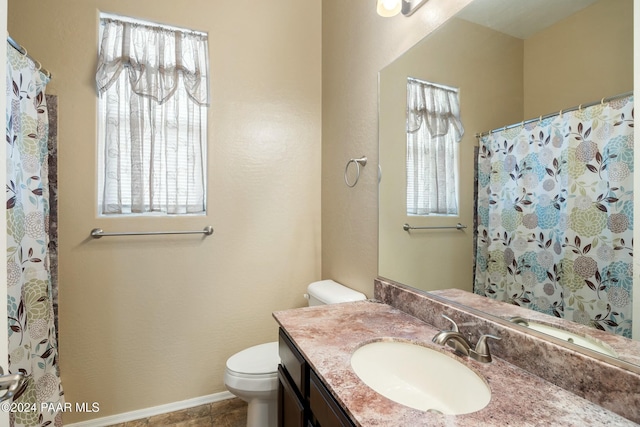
(362, 161)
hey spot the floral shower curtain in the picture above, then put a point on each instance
(555, 216)
(33, 346)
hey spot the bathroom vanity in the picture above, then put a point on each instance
(319, 387)
(303, 399)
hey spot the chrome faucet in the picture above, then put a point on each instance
(459, 343)
(454, 339)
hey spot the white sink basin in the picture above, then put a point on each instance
(420, 377)
(571, 337)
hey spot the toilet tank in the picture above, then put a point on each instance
(330, 292)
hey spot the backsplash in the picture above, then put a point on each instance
(609, 386)
(617, 346)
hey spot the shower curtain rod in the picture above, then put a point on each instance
(577, 107)
(24, 52)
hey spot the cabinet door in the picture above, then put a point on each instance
(290, 408)
(294, 363)
(323, 406)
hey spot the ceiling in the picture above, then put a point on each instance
(521, 18)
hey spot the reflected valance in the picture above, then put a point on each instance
(435, 106)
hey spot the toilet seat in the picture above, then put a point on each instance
(258, 361)
(253, 370)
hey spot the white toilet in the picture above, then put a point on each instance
(252, 374)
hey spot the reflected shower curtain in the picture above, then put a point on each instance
(33, 347)
(555, 216)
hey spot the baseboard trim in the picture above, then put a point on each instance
(156, 410)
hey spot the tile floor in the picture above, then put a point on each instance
(227, 413)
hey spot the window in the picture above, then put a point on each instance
(153, 89)
(433, 133)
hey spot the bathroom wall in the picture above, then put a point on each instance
(591, 59)
(146, 321)
(356, 44)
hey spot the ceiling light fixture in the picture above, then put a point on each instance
(389, 8)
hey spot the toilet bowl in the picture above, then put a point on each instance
(252, 374)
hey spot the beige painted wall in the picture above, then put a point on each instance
(146, 321)
(486, 67)
(356, 44)
(584, 58)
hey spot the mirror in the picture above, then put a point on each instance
(485, 52)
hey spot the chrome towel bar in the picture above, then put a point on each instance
(458, 226)
(97, 233)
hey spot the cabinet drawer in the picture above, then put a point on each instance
(295, 365)
(324, 407)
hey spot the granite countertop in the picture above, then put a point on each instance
(327, 336)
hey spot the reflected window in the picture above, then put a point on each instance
(434, 131)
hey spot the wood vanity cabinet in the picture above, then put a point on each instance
(303, 399)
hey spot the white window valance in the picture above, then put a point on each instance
(154, 56)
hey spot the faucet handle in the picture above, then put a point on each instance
(518, 320)
(482, 348)
(454, 324)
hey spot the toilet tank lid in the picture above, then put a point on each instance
(330, 292)
(259, 359)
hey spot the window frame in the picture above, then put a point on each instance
(102, 145)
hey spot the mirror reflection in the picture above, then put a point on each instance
(555, 192)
